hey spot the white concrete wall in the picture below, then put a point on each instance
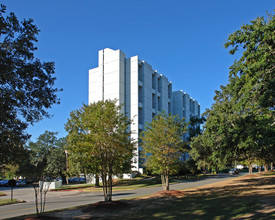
(95, 84)
(133, 90)
(107, 81)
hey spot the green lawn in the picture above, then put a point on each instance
(128, 184)
(8, 201)
(121, 184)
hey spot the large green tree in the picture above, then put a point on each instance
(99, 142)
(240, 124)
(26, 84)
(252, 85)
(163, 144)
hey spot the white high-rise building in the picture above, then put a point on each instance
(143, 91)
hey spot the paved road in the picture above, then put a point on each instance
(61, 200)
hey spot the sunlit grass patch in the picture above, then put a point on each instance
(8, 201)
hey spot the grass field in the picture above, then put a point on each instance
(8, 201)
(246, 197)
(127, 184)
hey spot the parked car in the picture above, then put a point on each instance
(21, 183)
(4, 182)
(233, 171)
(77, 180)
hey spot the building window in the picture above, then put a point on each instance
(169, 108)
(140, 115)
(158, 84)
(154, 81)
(140, 94)
(169, 91)
(159, 104)
(153, 115)
(140, 74)
(153, 101)
(192, 106)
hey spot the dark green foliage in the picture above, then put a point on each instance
(252, 76)
(26, 84)
(252, 88)
(188, 166)
(46, 156)
(194, 127)
(240, 124)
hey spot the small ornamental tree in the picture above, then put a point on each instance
(99, 141)
(163, 145)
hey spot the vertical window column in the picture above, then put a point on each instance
(153, 101)
(159, 84)
(159, 104)
(140, 115)
(154, 81)
(140, 73)
(140, 94)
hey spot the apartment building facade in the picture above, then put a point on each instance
(142, 90)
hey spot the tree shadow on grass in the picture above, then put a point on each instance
(235, 201)
(209, 205)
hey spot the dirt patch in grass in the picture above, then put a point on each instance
(171, 193)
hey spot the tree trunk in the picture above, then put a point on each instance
(97, 180)
(165, 181)
(271, 166)
(259, 169)
(266, 166)
(250, 168)
(104, 183)
(110, 185)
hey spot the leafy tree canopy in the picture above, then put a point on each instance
(26, 84)
(47, 156)
(240, 124)
(99, 142)
(163, 145)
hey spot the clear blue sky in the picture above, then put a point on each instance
(181, 39)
